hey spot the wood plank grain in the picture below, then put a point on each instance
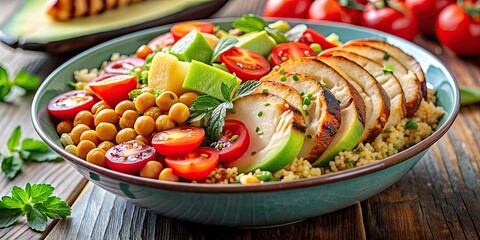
(98, 214)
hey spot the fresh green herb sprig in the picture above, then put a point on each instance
(22, 83)
(28, 150)
(36, 202)
(223, 45)
(411, 124)
(251, 23)
(469, 95)
(208, 106)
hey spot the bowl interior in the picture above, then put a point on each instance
(57, 82)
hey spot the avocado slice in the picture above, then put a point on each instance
(351, 104)
(208, 80)
(192, 46)
(276, 135)
(259, 42)
(280, 25)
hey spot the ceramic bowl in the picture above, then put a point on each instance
(267, 204)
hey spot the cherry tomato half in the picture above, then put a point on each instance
(233, 142)
(458, 30)
(285, 51)
(247, 65)
(178, 140)
(311, 36)
(287, 8)
(194, 165)
(114, 89)
(67, 105)
(332, 10)
(161, 41)
(143, 51)
(179, 30)
(124, 65)
(129, 157)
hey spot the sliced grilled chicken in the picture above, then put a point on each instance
(351, 104)
(322, 116)
(388, 81)
(290, 94)
(407, 60)
(377, 103)
(64, 10)
(276, 136)
(410, 84)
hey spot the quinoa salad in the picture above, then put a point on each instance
(202, 104)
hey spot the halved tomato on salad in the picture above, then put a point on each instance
(114, 89)
(247, 65)
(181, 29)
(161, 41)
(285, 51)
(311, 36)
(178, 140)
(233, 142)
(129, 157)
(124, 65)
(67, 105)
(194, 165)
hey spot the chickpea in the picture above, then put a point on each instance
(124, 106)
(144, 101)
(106, 131)
(144, 125)
(66, 140)
(83, 117)
(168, 175)
(144, 139)
(84, 147)
(128, 119)
(77, 132)
(105, 145)
(151, 170)
(124, 135)
(72, 149)
(166, 100)
(90, 135)
(64, 126)
(179, 112)
(153, 112)
(97, 107)
(164, 122)
(97, 157)
(106, 115)
(188, 97)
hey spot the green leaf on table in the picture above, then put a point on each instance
(246, 88)
(9, 216)
(20, 194)
(14, 139)
(249, 23)
(222, 46)
(49, 156)
(4, 83)
(11, 166)
(217, 120)
(58, 206)
(10, 203)
(469, 95)
(40, 192)
(26, 81)
(29, 144)
(37, 219)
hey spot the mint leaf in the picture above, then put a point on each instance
(14, 139)
(249, 23)
(9, 216)
(29, 144)
(226, 91)
(4, 83)
(20, 195)
(58, 206)
(49, 156)
(222, 46)
(10, 203)
(11, 166)
(246, 88)
(204, 104)
(217, 120)
(37, 219)
(26, 81)
(277, 35)
(40, 192)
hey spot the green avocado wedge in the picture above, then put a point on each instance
(352, 106)
(276, 135)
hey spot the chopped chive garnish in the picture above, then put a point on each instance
(359, 150)
(295, 78)
(233, 138)
(257, 129)
(387, 153)
(386, 56)
(301, 93)
(410, 124)
(253, 153)
(396, 147)
(266, 104)
(306, 101)
(324, 85)
(388, 68)
(260, 133)
(260, 114)
(309, 135)
(283, 78)
(265, 90)
(309, 95)
(281, 70)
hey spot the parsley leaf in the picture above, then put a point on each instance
(411, 124)
(222, 46)
(217, 120)
(36, 202)
(249, 23)
(11, 166)
(246, 88)
(29, 144)
(14, 139)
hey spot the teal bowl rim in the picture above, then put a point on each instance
(269, 186)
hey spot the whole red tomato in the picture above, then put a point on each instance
(426, 12)
(287, 8)
(459, 30)
(392, 17)
(335, 10)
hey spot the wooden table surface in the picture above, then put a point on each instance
(438, 199)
